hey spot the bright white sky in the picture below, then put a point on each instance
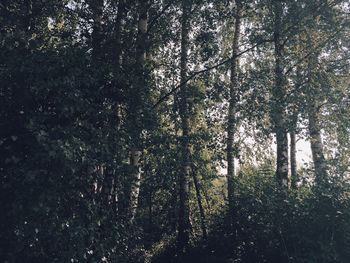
(303, 155)
(303, 152)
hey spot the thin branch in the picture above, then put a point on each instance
(312, 52)
(196, 73)
(154, 20)
(338, 67)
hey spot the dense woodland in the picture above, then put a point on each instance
(168, 130)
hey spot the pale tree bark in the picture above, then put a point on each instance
(135, 182)
(136, 106)
(184, 209)
(279, 94)
(314, 121)
(316, 143)
(233, 99)
(293, 160)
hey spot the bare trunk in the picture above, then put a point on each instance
(184, 210)
(316, 144)
(136, 107)
(279, 111)
(234, 98)
(314, 122)
(118, 60)
(150, 218)
(293, 161)
(119, 26)
(135, 182)
(200, 204)
(118, 33)
(96, 7)
(206, 197)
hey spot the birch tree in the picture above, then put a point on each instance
(279, 96)
(233, 100)
(184, 210)
(139, 89)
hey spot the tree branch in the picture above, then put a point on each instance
(196, 73)
(312, 52)
(154, 20)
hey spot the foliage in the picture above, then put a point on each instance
(309, 225)
(75, 100)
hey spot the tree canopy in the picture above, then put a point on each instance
(171, 131)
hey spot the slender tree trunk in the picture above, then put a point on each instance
(293, 161)
(234, 98)
(279, 111)
(206, 197)
(316, 143)
(150, 215)
(118, 33)
(135, 182)
(200, 204)
(184, 209)
(314, 121)
(293, 133)
(118, 58)
(119, 26)
(138, 89)
(96, 7)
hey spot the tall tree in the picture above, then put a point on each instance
(233, 100)
(279, 96)
(313, 111)
(139, 91)
(184, 209)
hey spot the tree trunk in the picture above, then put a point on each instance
(316, 143)
(234, 98)
(314, 122)
(136, 103)
(278, 110)
(118, 33)
(293, 129)
(293, 161)
(118, 59)
(96, 7)
(150, 218)
(135, 182)
(199, 201)
(184, 210)
(119, 26)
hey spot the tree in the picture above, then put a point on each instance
(279, 97)
(139, 90)
(233, 99)
(184, 212)
(119, 120)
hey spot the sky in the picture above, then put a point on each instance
(303, 152)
